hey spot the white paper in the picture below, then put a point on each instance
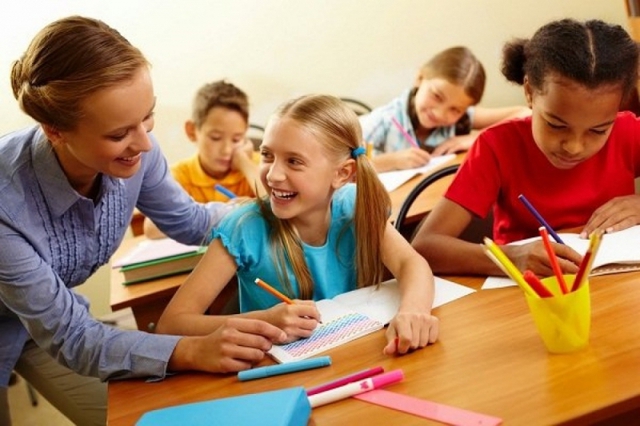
(393, 180)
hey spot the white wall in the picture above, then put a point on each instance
(277, 49)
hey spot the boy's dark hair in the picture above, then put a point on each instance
(591, 53)
(219, 94)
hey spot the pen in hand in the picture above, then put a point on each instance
(277, 294)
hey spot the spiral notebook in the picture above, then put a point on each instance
(357, 313)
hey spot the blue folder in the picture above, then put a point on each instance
(285, 407)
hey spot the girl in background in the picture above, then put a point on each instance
(439, 113)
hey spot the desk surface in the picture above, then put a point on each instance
(489, 359)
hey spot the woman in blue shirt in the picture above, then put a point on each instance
(68, 187)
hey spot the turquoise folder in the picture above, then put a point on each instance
(285, 407)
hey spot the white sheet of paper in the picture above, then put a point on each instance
(393, 180)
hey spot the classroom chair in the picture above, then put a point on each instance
(255, 135)
(475, 232)
(359, 107)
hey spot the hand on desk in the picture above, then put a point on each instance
(410, 330)
(236, 345)
(533, 256)
(401, 160)
(297, 319)
(615, 215)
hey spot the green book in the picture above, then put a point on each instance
(153, 259)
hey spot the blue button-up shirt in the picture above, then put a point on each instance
(52, 239)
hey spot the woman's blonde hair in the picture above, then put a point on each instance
(67, 61)
(337, 128)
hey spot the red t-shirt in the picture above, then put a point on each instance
(505, 162)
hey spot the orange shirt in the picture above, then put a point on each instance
(200, 186)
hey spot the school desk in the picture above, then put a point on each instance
(489, 359)
(147, 300)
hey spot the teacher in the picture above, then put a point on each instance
(68, 187)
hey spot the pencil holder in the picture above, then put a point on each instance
(563, 320)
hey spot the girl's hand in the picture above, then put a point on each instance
(533, 256)
(411, 328)
(410, 158)
(615, 215)
(454, 145)
(296, 320)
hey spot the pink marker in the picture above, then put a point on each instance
(345, 380)
(356, 388)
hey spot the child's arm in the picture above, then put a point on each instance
(482, 118)
(242, 160)
(413, 326)
(400, 160)
(438, 241)
(615, 215)
(185, 313)
(150, 230)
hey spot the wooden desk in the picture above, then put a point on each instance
(148, 300)
(489, 359)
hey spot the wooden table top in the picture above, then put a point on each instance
(489, 359)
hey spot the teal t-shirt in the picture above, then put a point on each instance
(245, 234)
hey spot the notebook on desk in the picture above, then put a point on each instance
(619, 252)
(357, 313)
(151, 259)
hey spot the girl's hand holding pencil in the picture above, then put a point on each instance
(533, 256)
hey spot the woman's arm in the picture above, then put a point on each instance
(413, 326)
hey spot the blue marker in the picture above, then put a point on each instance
(225, 191)
(289, 367)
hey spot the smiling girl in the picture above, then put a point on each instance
(314, 236)
(439, 112)
(575, 158)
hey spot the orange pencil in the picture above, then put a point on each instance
(274, 292)
(552, 258)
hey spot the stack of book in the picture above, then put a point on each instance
(152, 259)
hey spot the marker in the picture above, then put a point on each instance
(555, 266)
(406, 134)
(346, 380)
(540, 219)
(355, 388)
(289, 367)
(221, 189)
(587, 261)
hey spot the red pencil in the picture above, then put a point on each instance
(536, 284)
(552, 258)
(585, 266)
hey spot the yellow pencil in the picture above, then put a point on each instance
(503, 262)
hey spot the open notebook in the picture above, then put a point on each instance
(392, 180)
(357, 313)
(618, 252)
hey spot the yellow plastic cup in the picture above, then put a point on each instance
(563, 320)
